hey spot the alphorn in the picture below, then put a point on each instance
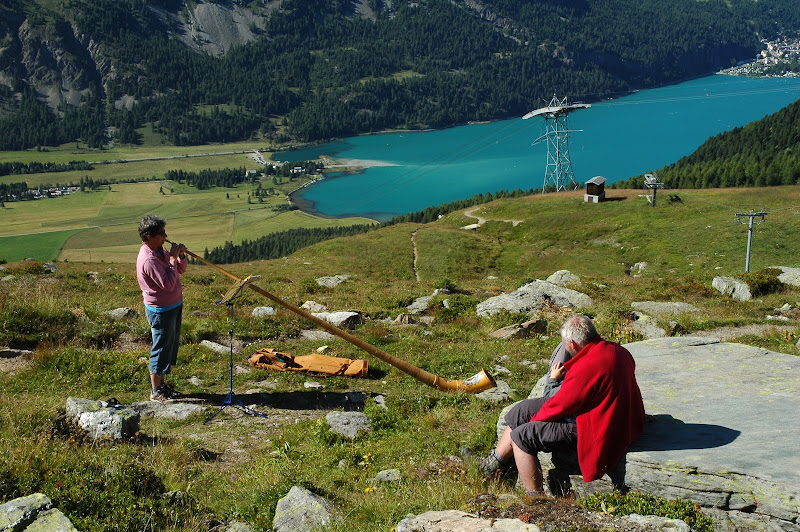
(475, 384)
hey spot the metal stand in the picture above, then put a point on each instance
(231, 400)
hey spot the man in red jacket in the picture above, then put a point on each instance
(598, 412)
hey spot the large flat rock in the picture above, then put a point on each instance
(727, 427)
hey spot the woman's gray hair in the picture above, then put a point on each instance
(151, 225)
(580, 329)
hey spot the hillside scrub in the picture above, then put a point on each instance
(238, 466)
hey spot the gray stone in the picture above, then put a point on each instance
(313, 306)
(120, 314)
(664, 308)
(458, 521)
(263, 312)
(93, 276)
(736, 288)
(102, 420)
(346, 319)
(646, 326)
(49, 267)
(532, 297)
(403, 319)
(51, 521)
(332, 281)
(520, 330)
(19, 513)
(316, 335)
(348, 424)
(639, 266)
(499, 394)
(789, 276)
(217, 348)
(179, 411)
(380, 402)
(387, 475)
(7, 278)
(564, 278)
(419, 305)
(659, 523)
(302, 511)
(313, 385)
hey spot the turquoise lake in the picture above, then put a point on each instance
(616, 139)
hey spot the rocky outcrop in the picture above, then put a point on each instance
(532, 297)
(664, 308)
(789, 276)
(349, 425)
(736, 288)
(33, 513)
(564, 278)
(521, 330)
(103, 420)
(345, 319)
(301, 509)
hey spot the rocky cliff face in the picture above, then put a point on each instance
(62, 64)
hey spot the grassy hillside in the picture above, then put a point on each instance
(237, 467)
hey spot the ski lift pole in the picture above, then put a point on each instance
(751, 215)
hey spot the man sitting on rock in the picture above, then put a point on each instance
(599, 390)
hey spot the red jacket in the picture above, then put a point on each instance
(600, 389)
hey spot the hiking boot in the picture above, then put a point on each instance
(491, 466)
(158, 395)
(170, 392)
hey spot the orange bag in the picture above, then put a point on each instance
(268, 358)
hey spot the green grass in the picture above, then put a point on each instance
(238, 467)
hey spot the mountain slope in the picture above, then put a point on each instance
(286, 69)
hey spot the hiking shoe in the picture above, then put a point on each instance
(158, 396)
(491, 466)
(170, 392)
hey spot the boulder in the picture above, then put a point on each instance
(122, 313)
(301, 510)
(736, 288)
(521, 330)
(263, 312)
(404, 319)
(499, 394)
(217, 348)
(178, 411)
(332, 281)
(316, 335)
(103, 420)
(564, 278)
(33, 512)
(532, 297)
(647, 327)
(345, 319)
(313, 306)
(789, 276)
(49, 267)
(419, 305)
(664, 308)
(387, 475)
(348, 424)
(458, 521)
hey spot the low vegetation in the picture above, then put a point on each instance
(238, 466)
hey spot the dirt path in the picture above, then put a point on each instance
(416, 254)
(471, 214)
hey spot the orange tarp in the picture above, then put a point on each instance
(268, 358)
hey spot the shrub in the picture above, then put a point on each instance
(763, 282)
(645, 504)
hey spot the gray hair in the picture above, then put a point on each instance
(579, 329)
(151, 225)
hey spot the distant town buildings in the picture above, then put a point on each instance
(783, 50)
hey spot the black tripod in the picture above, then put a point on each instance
(231, 400)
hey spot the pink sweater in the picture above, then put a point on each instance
(159, 280)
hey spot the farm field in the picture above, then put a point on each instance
(101, 225)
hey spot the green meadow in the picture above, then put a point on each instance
(101, 225)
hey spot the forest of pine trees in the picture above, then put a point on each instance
(321, 71)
